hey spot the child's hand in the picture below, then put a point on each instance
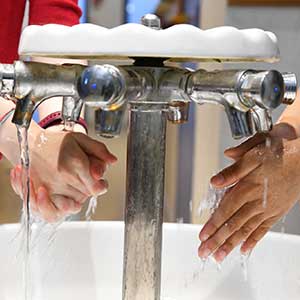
(66, 169)
(40, 203)
(242, 216)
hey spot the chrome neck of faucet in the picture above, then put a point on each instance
(29, 84)
(152, 95)
(247, 96)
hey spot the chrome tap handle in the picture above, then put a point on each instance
(290, 88)
(102, 86)
(242, 89)
(265, 89)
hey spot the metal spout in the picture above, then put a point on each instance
(262, 119)
(32, 83)
(71, 109)
(108, 124)
(241, 89)
(241, 123)
(247, 96)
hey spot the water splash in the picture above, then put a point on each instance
(180, 220)
(245, 264)
(268, 144)
(203, 262)
(211, 201)
(219, 266)
(91, 208)
(283, 221)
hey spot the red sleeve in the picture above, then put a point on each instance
(64, 12)
(11, 19)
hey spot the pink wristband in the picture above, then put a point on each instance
(56, 119)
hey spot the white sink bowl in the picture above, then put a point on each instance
(84, 262)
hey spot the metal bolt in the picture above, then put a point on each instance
(178, 112)
(152, 21)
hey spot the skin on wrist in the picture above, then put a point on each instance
(292, 125)
(291, 115)
(60, 127)
(9, 145)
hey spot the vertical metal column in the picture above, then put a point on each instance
(144, 203)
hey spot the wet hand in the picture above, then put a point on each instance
(66, 169)
(41, 205)
(266, 187)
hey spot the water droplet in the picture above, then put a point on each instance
(91, 208)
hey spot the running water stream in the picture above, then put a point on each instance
(27, 219)
(267, 154)
(25, 163)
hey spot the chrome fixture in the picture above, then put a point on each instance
(153, 94)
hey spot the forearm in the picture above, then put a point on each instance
(9, 146)
(291, 115)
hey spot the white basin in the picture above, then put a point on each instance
(84, 262)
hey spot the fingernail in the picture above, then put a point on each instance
(220, 255)
(205, 253)
(218, 179)
(204, 237)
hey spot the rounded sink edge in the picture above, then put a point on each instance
(167, 226)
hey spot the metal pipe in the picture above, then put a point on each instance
(144, 203)
(241, 89)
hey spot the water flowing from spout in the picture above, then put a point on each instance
(268, 145)
(91, 208)
(211, 201)
(25, 162)
(244, 264)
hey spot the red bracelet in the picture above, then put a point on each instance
(56, 119)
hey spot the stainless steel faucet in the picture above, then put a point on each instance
(153, 94)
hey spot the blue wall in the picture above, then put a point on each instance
(135, 9)
(83, 6)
